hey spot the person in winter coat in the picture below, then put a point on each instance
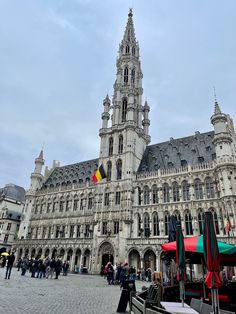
(58, 268)
(10, 262)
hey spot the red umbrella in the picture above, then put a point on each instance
(180, 260)
(212, 259)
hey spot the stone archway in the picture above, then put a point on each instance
(47, 252)
(33, 252)
(134, 259)
(27, 252)
(54, 253)
(86, 258)
(105, 254)
(62, 254)
(69, 255)
(77, 259)
(149, 260)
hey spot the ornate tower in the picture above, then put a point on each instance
(35, 184)
(124, 142)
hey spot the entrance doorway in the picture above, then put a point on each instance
(107, 258)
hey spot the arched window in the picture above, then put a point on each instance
(176, 192)
(119, 169)
(215, 218)
(62, 203)
(109, 168)
(210, 193)
(126, 75)
(198, 189)
(124, 110)
(133, 76)
(54, 204)
(200, 222)
(110, 150)
(185, 189)
(188, 223)
(177, 215)
(133, 51)
(167, 222)
(155, 220)
(154, 194)
(76, 203)
(82, 202)
(146, 196)
(67, 203)
(127, 49)
(146, 224)
(166, 193)
(90, 201)
(120, 146)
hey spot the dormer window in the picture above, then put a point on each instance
(126, 75)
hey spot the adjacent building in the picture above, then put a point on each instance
(12, 200)
(125, 217)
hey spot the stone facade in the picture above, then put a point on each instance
(125, 217)
(12, 200)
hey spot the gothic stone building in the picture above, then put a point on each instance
(125, 217)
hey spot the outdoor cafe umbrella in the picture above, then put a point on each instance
(212, 260)
(180, 261)
(4, 254)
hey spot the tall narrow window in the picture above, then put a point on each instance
(109, 168)
(198, 189)
(110, 150)
(117, 200)
(185, 188)
(146, 195)
(127, 49)
(106, 199)
(210, 193)
(76, 202)
(166, 193)
(133, 76)
(200, 222)
(72, 228)
(167, 222)
(67, 203)
(133, 51)
(120, 146)
(90, 201)
(126, 75)
(104, 227)
(119, 169)
(139, 229)
(139, 196)
(188, 223)
(116, 227)
(156, 231)
(62, 203)
(176, 192)
(146, 224)
(124, 110)
(154, 194)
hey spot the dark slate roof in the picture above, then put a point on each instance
(14, 192)
(12, 215)
(75, 173)
(177, 153)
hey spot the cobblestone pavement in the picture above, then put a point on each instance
(80, 294)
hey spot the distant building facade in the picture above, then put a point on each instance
(12, 200)
(125, 217)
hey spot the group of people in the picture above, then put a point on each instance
(118, 273)
(38, 267)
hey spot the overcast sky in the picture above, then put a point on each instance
(57, 63)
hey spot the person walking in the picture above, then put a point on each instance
(10, 262)
(58, 267)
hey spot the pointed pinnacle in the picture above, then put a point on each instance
(217, 108)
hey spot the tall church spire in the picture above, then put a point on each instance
(129, 35)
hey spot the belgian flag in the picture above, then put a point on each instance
(99, 174)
